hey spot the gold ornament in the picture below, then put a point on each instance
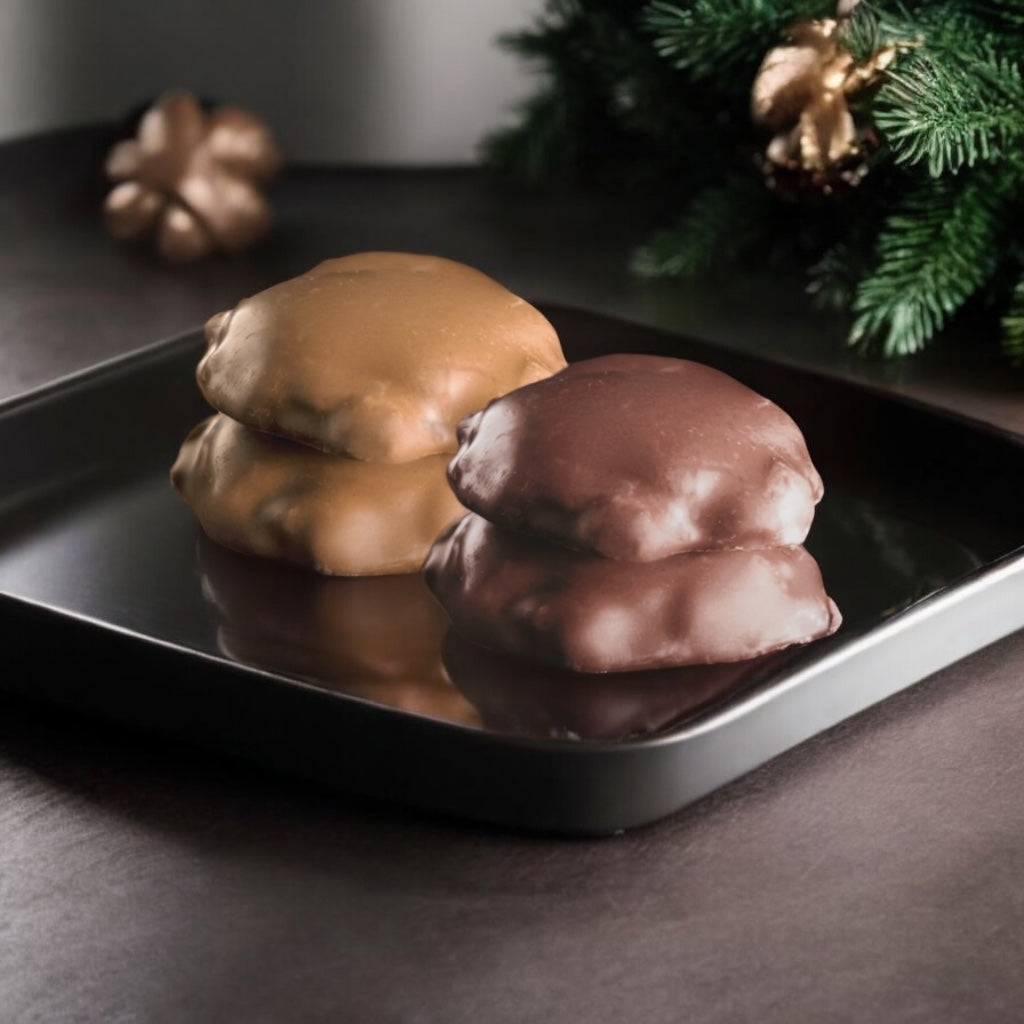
(192, 179)
(801, 93)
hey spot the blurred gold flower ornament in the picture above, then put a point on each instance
(801, 94)
(192, 179)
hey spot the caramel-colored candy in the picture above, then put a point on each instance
(376, 355)
(267, 496)
(639, 457)
(534, 599)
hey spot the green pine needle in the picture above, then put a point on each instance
(721, 224)
(949, 113)
(547, 38)
(538, 148)
(655, 94)
(952, 28)
(955, 95)
(832, 279)
(938, 248)
(717, 38)
(1013, 326)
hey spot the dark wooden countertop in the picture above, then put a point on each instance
(874, 873)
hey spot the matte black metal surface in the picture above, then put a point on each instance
(285, 671)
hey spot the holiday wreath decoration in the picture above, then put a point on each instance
(879, 144)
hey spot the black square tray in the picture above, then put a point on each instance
(111, 601)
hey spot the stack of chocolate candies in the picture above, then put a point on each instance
(633, 512)
(337, 395)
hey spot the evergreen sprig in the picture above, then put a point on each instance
(832, 279)
(656, 95)
(1013, 325)
(949, 110)
(539, 146)
(721, 225)
(940, 245)
(605, 111)
(716, 38)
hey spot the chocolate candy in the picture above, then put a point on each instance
(339, 393)
(639, 457)
(267, 496)
(529, 597)
(376, 355)
(633, 512)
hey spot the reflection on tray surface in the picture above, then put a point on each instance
(376, 637)
(385, 638)
(531, 699)
(875, 563)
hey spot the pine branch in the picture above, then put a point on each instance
(833, 279)
(939, 247)
(1013, 325)
(714, 39)
(948, 113)
(545, 39)
(955, 94)
(1004, 16)
(539, 146)
(965, 28)
(608, 111)
(721, 224)
(654, 96)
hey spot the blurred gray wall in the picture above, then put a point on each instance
(361, 81)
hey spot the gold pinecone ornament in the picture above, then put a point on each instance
(192, 179)
(801, 94)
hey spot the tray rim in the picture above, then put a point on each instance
(671, 740)
(124, 361)
(596, 791)
(833, 650)
(86, 375)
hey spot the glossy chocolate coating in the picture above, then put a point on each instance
(531, 598)
(639, 457)
(375, 355)
(267, 496)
